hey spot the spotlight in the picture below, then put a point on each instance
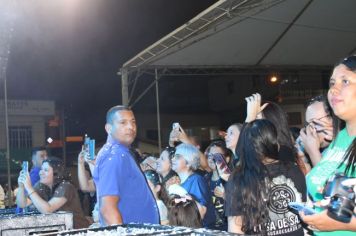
(273, 79)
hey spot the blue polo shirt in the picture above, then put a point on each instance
(117, 174)
(197, 186)
(35, 175)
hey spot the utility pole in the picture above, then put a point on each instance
(6, 31)
(125, 86)
(9, 191)
(64, 144)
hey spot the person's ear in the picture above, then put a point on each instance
(108, 128)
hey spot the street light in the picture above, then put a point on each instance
(273, 79)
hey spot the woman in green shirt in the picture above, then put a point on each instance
(340, 155)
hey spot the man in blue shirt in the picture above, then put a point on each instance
(123, 193)
(39, 154)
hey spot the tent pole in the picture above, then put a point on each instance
(7, 146)
(125, 86)
(158, 113)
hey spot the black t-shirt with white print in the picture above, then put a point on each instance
(288, 185)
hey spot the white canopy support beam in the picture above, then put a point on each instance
(125, 86)
(158, 112)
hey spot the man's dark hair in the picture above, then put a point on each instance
(37, 149)
(320, 98)
(349, 62)
(111, 112)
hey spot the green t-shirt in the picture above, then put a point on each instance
(328, 166)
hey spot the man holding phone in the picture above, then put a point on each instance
(123, 193)
(39, 154)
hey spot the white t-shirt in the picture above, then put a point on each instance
(163, 212)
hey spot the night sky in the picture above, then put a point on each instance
(70, 51)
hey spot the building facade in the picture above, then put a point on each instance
(27, 128)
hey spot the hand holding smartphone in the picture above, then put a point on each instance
(296, 207)
(175, 126)
(23, 174)
(89, 148)
(221, 163)
(174, 135)
(25, 166)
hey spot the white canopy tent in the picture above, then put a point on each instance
(249, 34)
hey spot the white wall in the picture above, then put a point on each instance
(37, 123)
(32, 113)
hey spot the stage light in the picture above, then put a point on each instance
(273, 79)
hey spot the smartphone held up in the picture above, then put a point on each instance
(174, 136)
(220, 162)
(89, 148)
(25, 166)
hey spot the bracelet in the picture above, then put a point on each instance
(31, 193)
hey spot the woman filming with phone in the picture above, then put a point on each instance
(218, 158)
(52, 193)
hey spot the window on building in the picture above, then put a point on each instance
(20, 136)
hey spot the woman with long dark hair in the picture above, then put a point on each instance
(52, 193)
(340, 156)
(275, 114)
(261, 186)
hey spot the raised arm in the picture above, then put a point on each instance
(21, 200)
(42, 206)
(85, 184)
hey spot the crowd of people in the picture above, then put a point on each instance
(243, 183)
